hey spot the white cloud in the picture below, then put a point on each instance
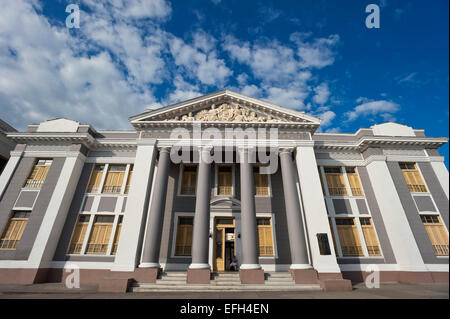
(206, 67)
(317, 53)
(327, 118)
(373, 108)
(322, 94)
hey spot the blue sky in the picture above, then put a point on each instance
(317, 56)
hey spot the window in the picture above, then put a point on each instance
(261, 183)
(335, 181)
(188, 180)
(413, 178)
(355, 183)
(100, 235)
(13, 232)
(114, 179)
(96, 178)
(265, 240)
(117, 236)
(225, 181)
(130, 175)
(184, 236)
(348, 237)
(76, 244)
(370, 237)
(38, 174)
(437, 233)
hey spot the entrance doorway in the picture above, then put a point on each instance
(224, 243)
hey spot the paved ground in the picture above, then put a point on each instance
(386, 291)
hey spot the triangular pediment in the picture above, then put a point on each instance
(225, 107)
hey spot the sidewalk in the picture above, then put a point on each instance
(386, 291)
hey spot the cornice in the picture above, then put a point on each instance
(376, 141)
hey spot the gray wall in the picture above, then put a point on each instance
(176, 203)
(378, 223)
(37, 214)
(71, 220)
(412, 214)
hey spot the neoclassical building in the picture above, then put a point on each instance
(220, 177)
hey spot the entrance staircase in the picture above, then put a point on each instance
(228, 281)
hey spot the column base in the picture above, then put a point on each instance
(199, 276)
(251, 276)
(334, 282)
(304, 276)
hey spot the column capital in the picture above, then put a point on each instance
(164, 149)
(289, 150)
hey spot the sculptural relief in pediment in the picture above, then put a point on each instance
(225, 113)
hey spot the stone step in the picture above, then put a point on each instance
(278, 274)
(280, 279)
(173, 278)
(174, 274)
(206, 288)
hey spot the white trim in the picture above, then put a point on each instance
(199, 266)
(300, 266)
(149, 265)
(250, 266)
(35, 199)
(111, 160)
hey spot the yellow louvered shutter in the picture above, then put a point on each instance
(100, 235)
(38, 174)
(373, 247)
(96, 177)
(188, 180)
(348, 237)
(78, 235)
(184, 236)
(261, 182)
(114, 179)
(355, 183)
(225, 181)
(437, 233)
(14, 231)
(265, 240)
(335, 181)
(413, 178)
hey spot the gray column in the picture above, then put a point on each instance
(200, 236)
(248, 214)
(297, 238)
(152, 242)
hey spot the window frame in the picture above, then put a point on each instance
(216, 180)
(39, 181)
(8, 224)
(269, 183)
(176, 218)
(441, 223)
(419, 174)
(180, 179)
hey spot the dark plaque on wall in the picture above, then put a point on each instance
(324, 245)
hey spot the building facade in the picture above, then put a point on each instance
(223, 175)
